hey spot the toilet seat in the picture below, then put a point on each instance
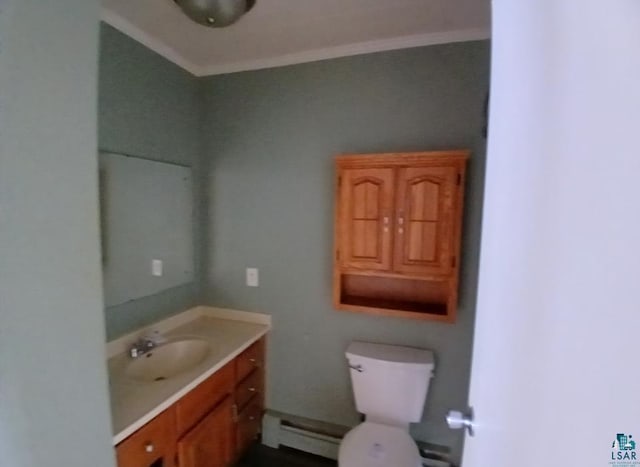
(375, 445)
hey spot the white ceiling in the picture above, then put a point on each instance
(282, 32)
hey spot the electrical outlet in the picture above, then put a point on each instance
(252, 277)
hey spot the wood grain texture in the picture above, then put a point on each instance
(248, 428)
(252, 386)
(153, 442)
(365, 215)
(211, 426)
(250, 359)
(211, 442)
(425, 203)
(249, 395)
(403, 159)
(197, 403)
(423, 195)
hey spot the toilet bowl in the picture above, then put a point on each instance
(390, 385)
(375, 445)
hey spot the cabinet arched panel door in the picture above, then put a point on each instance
(210, 443)
(425, 228)
(365, 220)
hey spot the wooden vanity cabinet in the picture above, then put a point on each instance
(205, 423)
(211, 442)
(211, 426)
(248, 426)
(200, 401)
(153, 445)
(249, 395)
(397, 233)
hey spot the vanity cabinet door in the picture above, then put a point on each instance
(195, 405)
(153, 445)
(248, 428)
(211, 442)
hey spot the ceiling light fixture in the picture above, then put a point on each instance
(215, 13)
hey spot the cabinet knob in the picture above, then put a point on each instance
(385, 220)
(400, 220)
(252, 360)
(252, 389)
(252, 418)
(149, 447)
(400, 230)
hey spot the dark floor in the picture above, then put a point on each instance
(263, 456)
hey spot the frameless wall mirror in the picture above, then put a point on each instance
(147, 226)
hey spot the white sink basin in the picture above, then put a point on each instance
(168, 360)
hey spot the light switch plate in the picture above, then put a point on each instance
(252, 277)
(156, 267)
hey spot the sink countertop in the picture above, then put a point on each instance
(135, 403)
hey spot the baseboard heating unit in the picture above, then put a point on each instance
(323, 439)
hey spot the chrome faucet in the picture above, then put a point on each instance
(141, 347)
(146, 343)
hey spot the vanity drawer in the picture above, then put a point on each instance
(195, 405)
(251, 386)
(155, 442)
(249, 421)
(249, 360)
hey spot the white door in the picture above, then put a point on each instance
(556, 364)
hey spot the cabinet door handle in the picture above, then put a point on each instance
(149, 447)
(400, 230)
(400, 220)
(252, 389)
(385, 220)
(255, 362)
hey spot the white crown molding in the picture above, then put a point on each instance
(159, 47)
(404, 42)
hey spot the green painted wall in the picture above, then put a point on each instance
(264, 192)
(149, 107)
(270, 139)
(54, 405)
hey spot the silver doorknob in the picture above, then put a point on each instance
(458, 420)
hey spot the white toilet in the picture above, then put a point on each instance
(390, 385)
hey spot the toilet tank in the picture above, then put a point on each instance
(390, 382)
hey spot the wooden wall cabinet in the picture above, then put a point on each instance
(397, 233)
(212, 426)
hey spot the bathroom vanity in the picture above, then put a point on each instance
(204, 416)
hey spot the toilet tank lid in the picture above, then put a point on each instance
(390, 353)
